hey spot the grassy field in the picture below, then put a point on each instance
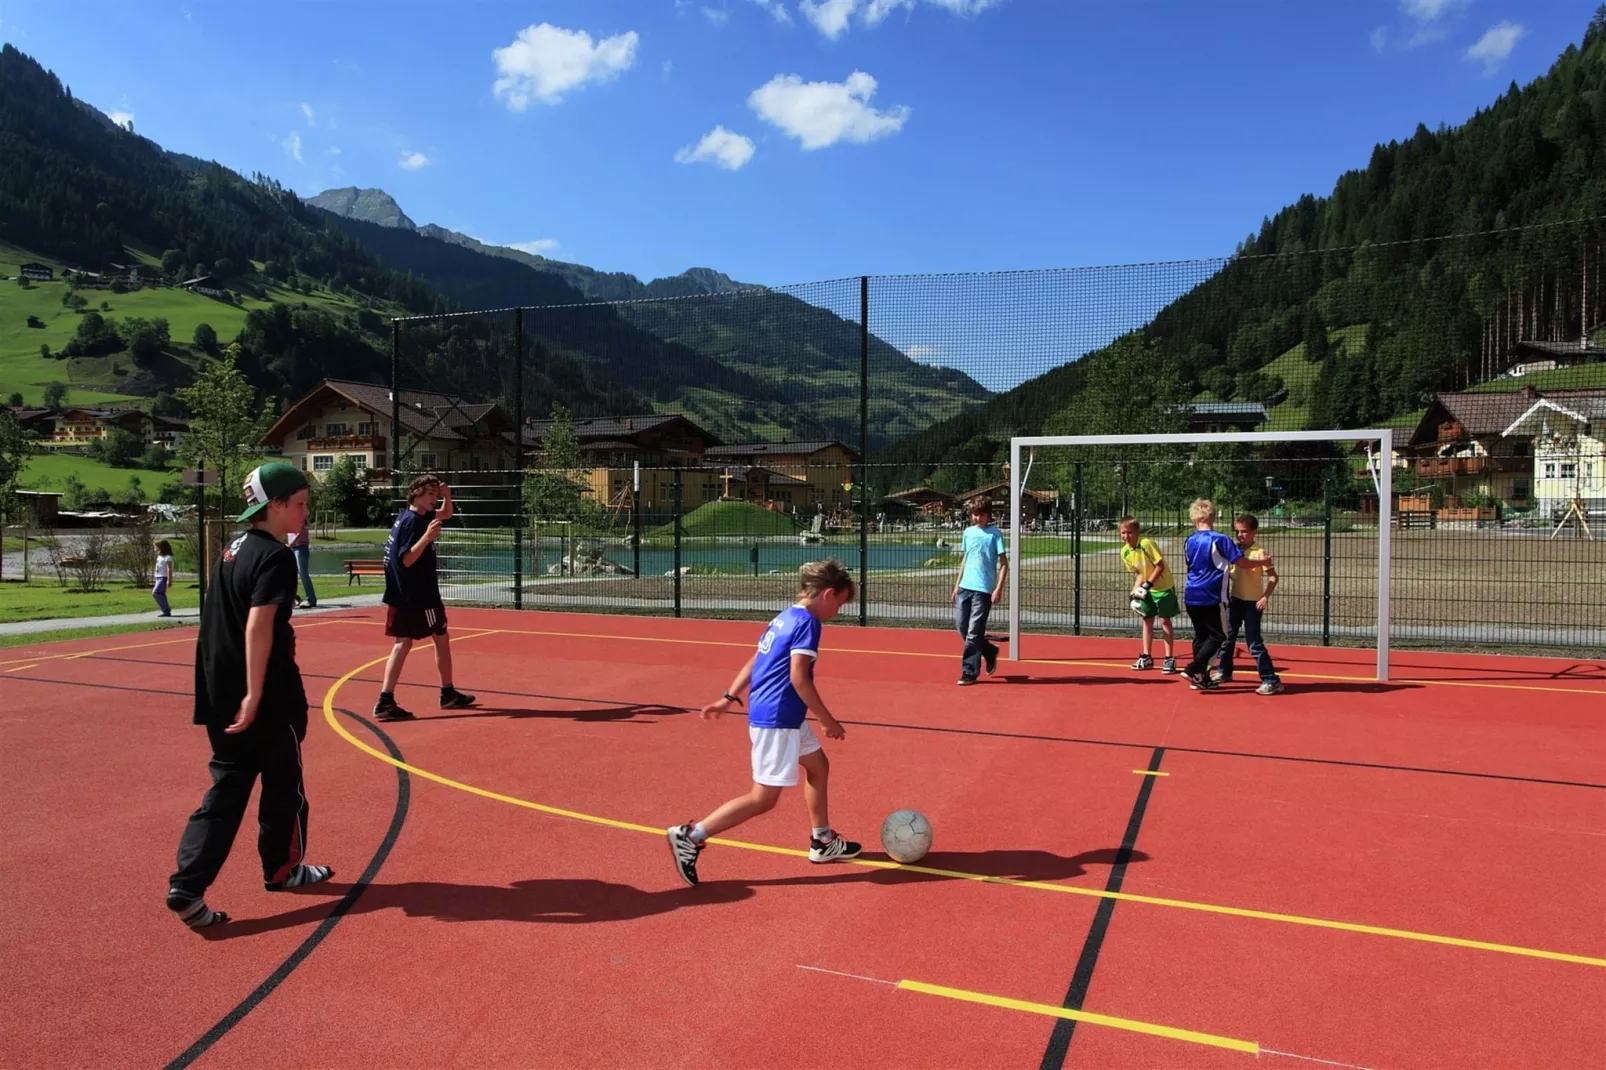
(731, 518)
(45, 640)
(42, 599)
(48, 471)
(1587, 375)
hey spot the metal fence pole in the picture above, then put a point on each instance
(1327, 558)
(200, 541)
(677, 540)
(1076, 548)
(518, 458)
(864, 448)
(395, 411)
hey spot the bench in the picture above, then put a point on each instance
(358, 568)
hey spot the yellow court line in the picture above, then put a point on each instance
(1130, 1024)
(1046, 661)
(952, 874)
(1149, 772)
(77, 654)
(19, 668)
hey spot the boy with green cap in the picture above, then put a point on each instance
(250, 698)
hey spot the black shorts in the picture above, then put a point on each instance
(402, 622)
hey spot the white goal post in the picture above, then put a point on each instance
(1382, 475)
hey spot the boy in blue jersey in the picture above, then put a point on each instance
(982, 572)
(781, 675)
(1210, 556)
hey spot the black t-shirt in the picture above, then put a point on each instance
(414, 586)
(255, 570)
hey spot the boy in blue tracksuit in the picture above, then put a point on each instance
(1210, 557)
(981, 581)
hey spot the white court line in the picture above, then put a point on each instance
(1312, 1059)
(855, 976)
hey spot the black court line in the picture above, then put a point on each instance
(1059, 1041)
(349, 900)
(1343, 763)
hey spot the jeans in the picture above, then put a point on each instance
(971, 610)
(1209, 632)
(1242, 613)
(159, 592)
(304, 563)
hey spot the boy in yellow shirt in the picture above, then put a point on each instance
(1249, 595)
(1153, 595)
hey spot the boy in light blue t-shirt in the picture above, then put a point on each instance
(981, 581)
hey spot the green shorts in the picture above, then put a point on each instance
(1161, 604)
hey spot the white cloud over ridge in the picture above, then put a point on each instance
(544, 62)
(720, 147)
(292, 146)
(412, 161)
(820, 114)
(1494, 47)
(124, 119)
(538, 247)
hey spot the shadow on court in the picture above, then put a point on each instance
(584, 900)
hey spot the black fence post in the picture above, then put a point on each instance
(200, 542)
(518, 458)
(864, 448)
(677, 540)
(1327, 558)
(395, 412)
(1076, 549)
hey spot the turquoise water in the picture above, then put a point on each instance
(655, 561)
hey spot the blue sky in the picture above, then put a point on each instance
(788, 140)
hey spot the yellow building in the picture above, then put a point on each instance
(339, 418)
(796, 476)
(612, 446)
(1568, 430)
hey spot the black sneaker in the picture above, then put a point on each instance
(989, 660)
(1170, 667)
(1144, 662)
(388, 711)
(966, 681)
(453, 699)
(836, 849)
(685, 852)
(1199, 681)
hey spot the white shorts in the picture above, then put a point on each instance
(776, 752)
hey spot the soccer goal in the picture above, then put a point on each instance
(1324, 501)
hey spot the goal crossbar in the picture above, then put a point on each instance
(1383, 475)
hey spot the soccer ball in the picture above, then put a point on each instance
(906, 835)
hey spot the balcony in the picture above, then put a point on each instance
(346, 443)
(1451, 467)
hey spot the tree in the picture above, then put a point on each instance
(144, 338)
(165, 404)
(44, 351)
(173, 261)
(55, 395)
(223, 268)
(345, 492)
(119, 448)
(205, 337)
(15, 401)
(555, 486)
(14, 447)
(226, 420)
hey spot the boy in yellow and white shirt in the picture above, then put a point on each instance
(1249, 594)
(1154, 592)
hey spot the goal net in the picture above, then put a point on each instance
(1323, 502)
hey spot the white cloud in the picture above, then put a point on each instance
(876, 11)
(922, 352)
(1430, 10)
(717, 16)
(124, 119)
(669, 68)
(1380, 38)
(777, 10)
(544, 62)
(719, 147)
(292, 146)
(539, 247)
(1494, 47)
(333, 150)
(412, 161)
(830, 17)
(307, 112)
(966, 7)
(822, 113)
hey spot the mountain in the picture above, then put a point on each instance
(368, 205)
(1349, 310)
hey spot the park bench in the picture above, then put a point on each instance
(356, 569)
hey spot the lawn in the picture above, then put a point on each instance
(49, 471)
(44, 599)
(1587, 375)
(44, 640)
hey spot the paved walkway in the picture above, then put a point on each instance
(180, 616)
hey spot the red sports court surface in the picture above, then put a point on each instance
(1409, 875)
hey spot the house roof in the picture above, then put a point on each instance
(1484, 414)
(1242, 410)
(614, 428)
(196, 281)
(926, 493)
(1589, 409)
(423, 413)
(1576, 350)
(999, 491)
(772, 449)
(739, 475)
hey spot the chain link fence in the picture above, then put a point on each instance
(684, 454)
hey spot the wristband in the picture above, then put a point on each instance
(732, 698)
(1148, 585)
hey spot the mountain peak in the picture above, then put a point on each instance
(368, 205)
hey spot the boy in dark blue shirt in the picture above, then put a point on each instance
(1209, 555)
(781, 675)
(413, 593)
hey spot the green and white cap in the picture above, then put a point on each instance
(269, 481)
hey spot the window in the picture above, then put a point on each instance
(1519, 490)
(303, 462)
(366, 429)
(710, 491)
(335, 430)
(359, 459)
(1569, 469)
(308, 431)
(426, 460)
(1550, 470)
(322, 462)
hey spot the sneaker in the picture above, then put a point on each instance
(989, 660)
(453, 699)
(1170, 667)
(1220, 677)
(836, 849)
(1144, 662)
(300, 876)
(193, 911)
(685, 852)
(966, 681)
(1270, 687)
(389, 711)
(1198, 681)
